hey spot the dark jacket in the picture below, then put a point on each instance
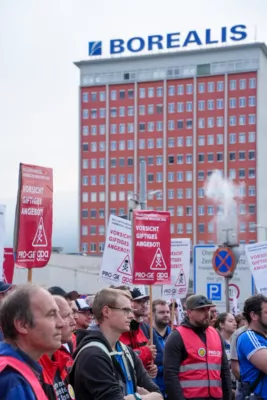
(175, 352)
(96, 376)
(13, 386)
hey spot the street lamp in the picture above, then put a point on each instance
(259, 226)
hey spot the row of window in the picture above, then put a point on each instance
(187, 193)
(178, 107)
(93, 247)
(180, 89)
(210, 157)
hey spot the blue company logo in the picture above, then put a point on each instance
(174, 40)
(214, 291)
(95, 48)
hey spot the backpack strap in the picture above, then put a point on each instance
(24, 370)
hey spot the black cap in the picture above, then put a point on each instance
(198, 301)
(138, 295)
(4, 287)
(58, 291)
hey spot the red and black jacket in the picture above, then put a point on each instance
(58, 366)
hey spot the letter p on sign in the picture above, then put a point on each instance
(214, 291)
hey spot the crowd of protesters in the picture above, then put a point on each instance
(56, 345)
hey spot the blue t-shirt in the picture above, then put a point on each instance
(128, 379)
(248, 343)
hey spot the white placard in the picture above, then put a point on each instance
(180, 268)
(208, 283)
(116, 267)
(2, 238)
(257, 257)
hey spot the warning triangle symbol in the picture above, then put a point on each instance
(40, 239)
(181, 279)
(125, 267)
(158, 262)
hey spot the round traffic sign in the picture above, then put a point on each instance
(223, 261)
(234, 291)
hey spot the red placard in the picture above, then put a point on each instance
(8, 265)
(151, 247)
(34, 217)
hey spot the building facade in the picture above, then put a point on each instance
(186, 114)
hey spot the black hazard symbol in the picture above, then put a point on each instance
(125, 267)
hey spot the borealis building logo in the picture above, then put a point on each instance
(176, 40)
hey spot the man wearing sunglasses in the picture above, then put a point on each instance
(195, 363)
(104, 368)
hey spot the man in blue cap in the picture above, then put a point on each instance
(4, 289)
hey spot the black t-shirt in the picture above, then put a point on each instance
(60, 388)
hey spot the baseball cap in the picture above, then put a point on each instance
(4, 287)
(198, 301)
(138, 295)
(58, 291)
(82, 305)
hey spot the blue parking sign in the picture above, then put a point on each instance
(214, 291)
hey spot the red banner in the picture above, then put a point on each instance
(34, 217)
(8, 265)
(151, 247)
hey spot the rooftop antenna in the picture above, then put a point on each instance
(255, 32)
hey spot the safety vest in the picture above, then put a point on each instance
(200, 372)
(24, 370)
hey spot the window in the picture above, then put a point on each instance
(210, 227)
(189, 106)
(210, 140)
(233, 84)
(180, 159)
(150, 127)
(150, 109)
(188, 194)
(252, 83)
(232, 156)
(130, 111)
(92, 230)
(210, 157)
(180, 211)
(113, 95)
(159, 177)
(171, 91)
(232, 173)
(180, 176)
(151, 92)
(251, 173)
(201, 157)
(85, 97)
(232, 138)
(189, 228)
(102, 129)
(92, 247)
(210, 87)
(122, 111)
(85, 197)
(242, 120)
(189, 88)
(201, 105)
(93, 114)
(251, 119)
(122, 145)
(85, 181)
(150, 178)
(188, 176)
(84, 230)
(180, 193)
(252, 101)
(150, 143)
(210, 210)
(159, 126)
(130, 127)
(242, 155)
(93, 197)
(171, 125)
(242, 227)
(232, 120)
(201, 140)
(113, 196)
(219, 103)
(220, 86)
(159, 91)
(142, 93)
(130, 178)
(251, 155)
(232, 102)
(113, 145)
(85, 164)
(201, 175)
(180, 228)
(180, 124)
(219, 121)
(242, 84)
(189, 124)
(122, 94)
(130, 144)
(101, 197)
(188, 211)
(85, 114)
(113, 112)
(180, 107)
(159, 108)
(242, 138)
(220, 138)
(113, 179)
(242, 173)
(130, 94)
(251, 208)
(170, 194)
(93, 180)
(189, 159)
(171, 142)
(210, 122)
(159, 160)
(170, 176)
(201, 88)
(171, 159)
(142, 126)
(242, 102)
(159, 142)
(219, 156)
(252, 191)
(201, 123)
(252, 228)
(142, 110)
(180, 90)
(251, 137)
(85, 131)
(85, 146)
(201, 228)
(189, 141)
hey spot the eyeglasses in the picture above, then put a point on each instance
(125, 310)
(86, 313)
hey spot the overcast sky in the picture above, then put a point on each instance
(39, 40)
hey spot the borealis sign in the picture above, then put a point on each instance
(176, 40)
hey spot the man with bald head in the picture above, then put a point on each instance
(31, 325)
(56, 365)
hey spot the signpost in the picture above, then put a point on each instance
(209, 283)
(34, 218)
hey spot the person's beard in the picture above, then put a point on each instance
(263, 325)
(161, 324)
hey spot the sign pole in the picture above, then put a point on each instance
(29, 274)
(227, 300)
(172, 314)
